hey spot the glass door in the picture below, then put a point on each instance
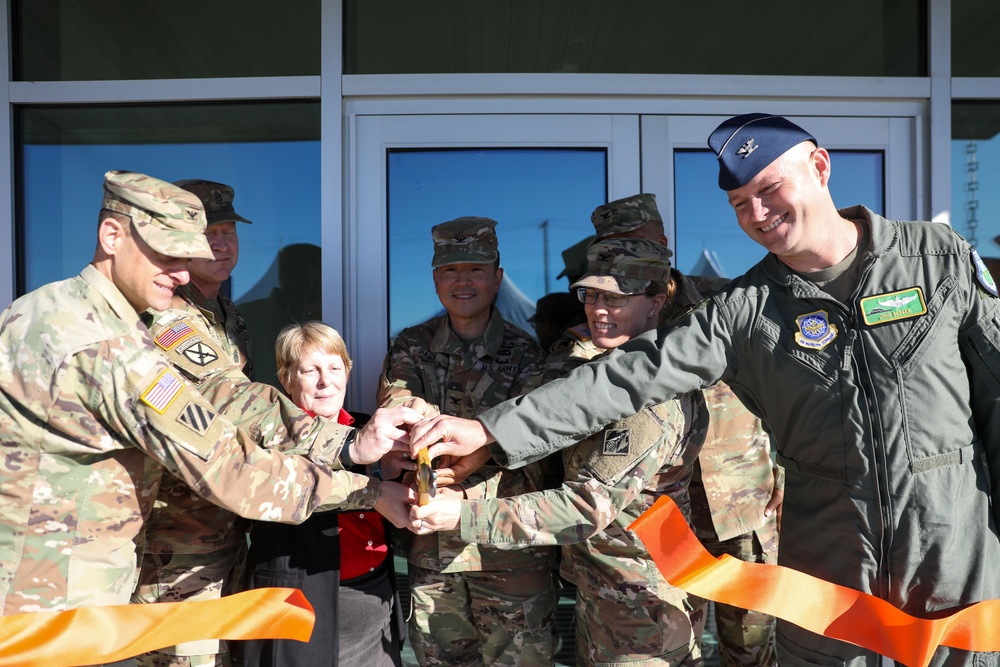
(539, 176)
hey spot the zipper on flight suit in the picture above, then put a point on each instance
(880, 461)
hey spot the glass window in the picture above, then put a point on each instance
(84, 40)
(540, 198)
(973, 37)
(887, 37)
(268, 153)
(711, 243)
(975, 176)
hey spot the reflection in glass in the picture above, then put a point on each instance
(710, 242)
(86, 40)
(66, 152)
(975, 176)
(641, 37)
(541, 199)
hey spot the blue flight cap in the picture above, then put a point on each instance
(746, 144)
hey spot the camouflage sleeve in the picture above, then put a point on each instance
(400, 379)
(176, 426)
(573, 513)
(267, 416)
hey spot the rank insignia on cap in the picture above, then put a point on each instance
(893, 306)
(746, 149)
(163, 391)
(196, 417)
(167, 338)
(983, 274)
(815, 331)
(616, 442)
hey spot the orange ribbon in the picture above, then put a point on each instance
(811, 603)
(94, 635)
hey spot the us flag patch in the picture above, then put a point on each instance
(616, 442)
(167, 338)
(161, 393)
(196, 417)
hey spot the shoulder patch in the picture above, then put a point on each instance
(197, 417)
(163, 391)
(173, 335)
(983, 274)
(580, 331)
(616, 442)
(198, 352)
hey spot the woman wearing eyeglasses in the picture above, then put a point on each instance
(626, 613)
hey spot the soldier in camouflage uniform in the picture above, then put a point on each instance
(734, 483)
(472, 605)
(626, 613)
(92, 413)
(192, 545)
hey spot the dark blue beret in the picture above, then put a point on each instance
(747, 144)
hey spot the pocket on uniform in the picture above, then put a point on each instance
(539, 611)
(790, 654)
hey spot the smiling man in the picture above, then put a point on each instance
(472, 605)
(868, 346)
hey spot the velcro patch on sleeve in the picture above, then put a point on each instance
(619, 447)
(198, 418)
(173, 335)
(163, 391)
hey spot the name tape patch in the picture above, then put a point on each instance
(893, 306)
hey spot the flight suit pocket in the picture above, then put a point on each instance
(821, 366)
(790, 654)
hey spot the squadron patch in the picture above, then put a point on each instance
(196, 417)
(163, 391)
(199, 353)
(169, 337)
(983, 274)
(616, 442)
(815, 331)
(893, 306)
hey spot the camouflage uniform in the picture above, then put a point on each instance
(473, 605)
(626, 613)
(733, 481)
(193, 546)
(733, 478)
(91, 414)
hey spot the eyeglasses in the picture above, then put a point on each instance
(611, 299)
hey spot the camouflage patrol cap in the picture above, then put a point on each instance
(169, 219)
(625, 215)
(575, 259)
(625, 266)
(217, 198)
(465, 240)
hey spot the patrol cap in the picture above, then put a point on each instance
(217, 198)
(624, 215)
(747, 144)
(465, 240)
(169, 219)
(575, 259)
(625, 266)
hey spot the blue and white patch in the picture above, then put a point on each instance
(815, 331)
(983, 274)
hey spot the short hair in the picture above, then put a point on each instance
(120, 217)
(294, 339)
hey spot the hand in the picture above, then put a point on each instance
(422, 406)
(382, 433)
(448, 435)
(394, 501)
(439, 514)
(394, 463)
(456, 470)
(774, 504)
